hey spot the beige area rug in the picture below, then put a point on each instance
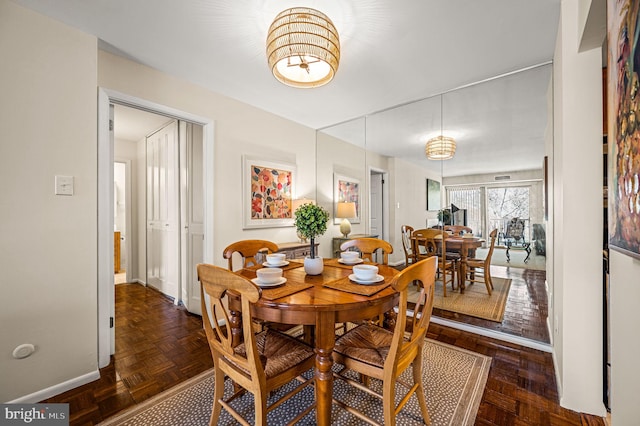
(499, 258)
(475, 301)
(454, 380)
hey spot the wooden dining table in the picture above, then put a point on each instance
(465, 246)
(319, 302)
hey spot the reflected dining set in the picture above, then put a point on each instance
(260, 360)
(455, 247)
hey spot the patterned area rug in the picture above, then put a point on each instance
(475, 301)
(454, 380)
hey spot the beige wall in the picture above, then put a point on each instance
(48, 114)
(408, 204)
(577, 274)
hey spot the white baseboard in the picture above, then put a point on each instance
(396, 263)
(57, 389)
(493, 334)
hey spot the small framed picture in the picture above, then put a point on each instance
(346, 189)
(433, 194)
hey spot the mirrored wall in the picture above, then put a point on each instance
(502, 128)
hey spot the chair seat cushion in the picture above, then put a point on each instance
(367, 343)
(278, 352)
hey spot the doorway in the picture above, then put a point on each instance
(106, 207)
(121, 219)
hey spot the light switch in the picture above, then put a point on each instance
(64, 185)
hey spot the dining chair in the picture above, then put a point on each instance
(261, 363)
(433, 242)
(248, 251)
(458, 229)
(376, 352)
(369, 246)
(479, 270)
(409, 255)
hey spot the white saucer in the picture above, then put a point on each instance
(377, 279)
(358, 260)
(262, 285)
(269, 265)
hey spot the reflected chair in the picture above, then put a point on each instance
(479, 270)
(409, 256)
(262, 362)
(433, 242)
(250, 251)
(373, 351)
(369, 246)
(458, 229)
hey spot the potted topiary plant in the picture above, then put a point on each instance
(311, 222)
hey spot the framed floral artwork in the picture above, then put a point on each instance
(346, 189)
(267, 195)
(624, 133)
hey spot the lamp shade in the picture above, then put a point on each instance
(346, 210)
(300, 201)
(440, 148)
(303, 47)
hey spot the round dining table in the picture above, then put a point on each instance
(319, 302)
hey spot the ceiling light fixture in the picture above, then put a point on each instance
(440, 148)
(303, 48)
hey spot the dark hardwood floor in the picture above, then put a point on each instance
(526, 310)
(159, 345)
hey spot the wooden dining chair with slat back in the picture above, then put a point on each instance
(248, 251)
(262, 362)
(368, 247)
(479, 270)
(376, 352)
(433, 242)
(409, 256)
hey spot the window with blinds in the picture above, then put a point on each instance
(470, 199)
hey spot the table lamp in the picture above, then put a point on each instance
(345, 211)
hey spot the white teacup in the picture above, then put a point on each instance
(276, 258)
(365, 272)
(349, 256)
(269, 275)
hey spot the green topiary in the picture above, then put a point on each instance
(311, 221)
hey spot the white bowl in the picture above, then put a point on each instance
(269, 275)
(276, 258)
(349, 256)
(365, 272)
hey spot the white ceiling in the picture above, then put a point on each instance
(392, 51)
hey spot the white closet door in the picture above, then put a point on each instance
(163, 233)
(192, 212)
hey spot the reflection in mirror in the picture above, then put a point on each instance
(340, 165)
(502, 128)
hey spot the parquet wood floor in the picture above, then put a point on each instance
(526, 310)
(158, 345)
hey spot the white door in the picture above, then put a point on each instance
(191, 212)
(163, 209)
(376, 205)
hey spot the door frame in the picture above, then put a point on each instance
(105, 206)
(385, 200)
(127, 213)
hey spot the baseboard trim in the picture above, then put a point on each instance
(397, 263)
(494, 334)
(57, 389)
